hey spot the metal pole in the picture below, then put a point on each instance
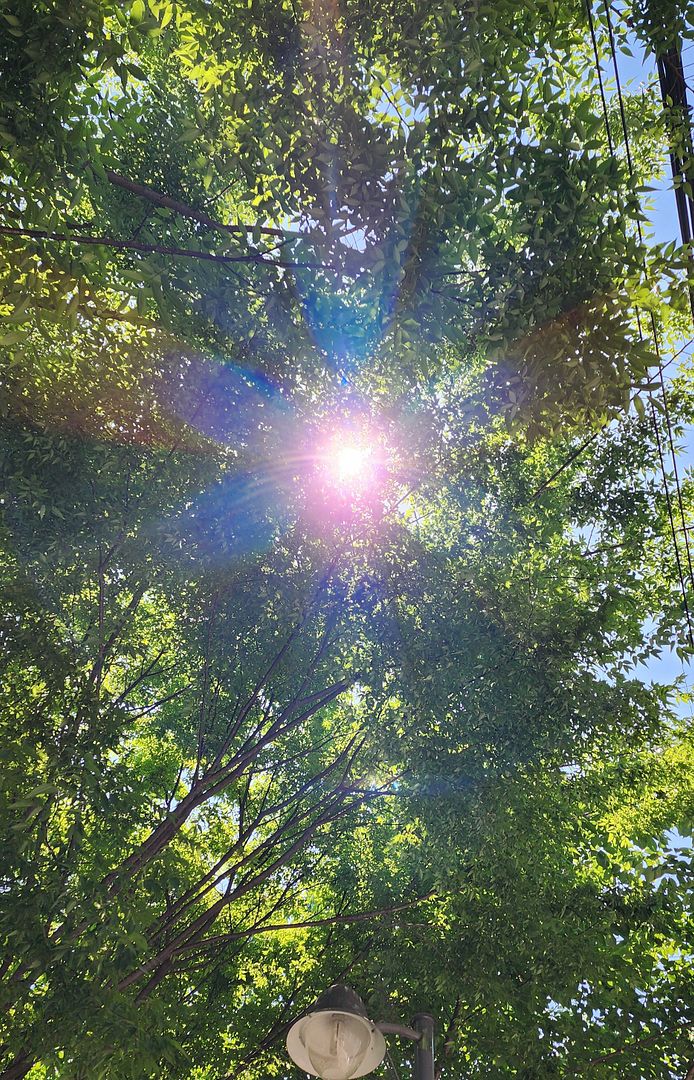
(424, 1052)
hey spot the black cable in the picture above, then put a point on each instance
(673, 456)
(598, 68)
(620, 98)
(673, 530)
(584, 445)
(567, 461)
(392, 1065)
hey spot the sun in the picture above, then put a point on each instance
(351, 463)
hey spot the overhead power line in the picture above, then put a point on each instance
(654, 329)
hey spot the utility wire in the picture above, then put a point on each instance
(666, 487)
(598, 68)
(654, 328)
(392, 1065)
(565, 464)
(576, 453)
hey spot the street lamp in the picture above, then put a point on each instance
(335, 1039)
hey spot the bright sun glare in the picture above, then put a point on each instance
(352, 463)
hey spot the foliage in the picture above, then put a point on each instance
(260, 733)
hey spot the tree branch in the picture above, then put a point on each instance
(448, 1040)
(329, 920)
(159, 199)
(628, 1047)
(158, 249)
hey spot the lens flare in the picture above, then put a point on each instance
(352, 464)
(350, 470)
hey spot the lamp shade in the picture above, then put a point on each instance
(336, 1040)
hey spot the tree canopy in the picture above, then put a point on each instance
(271, 719)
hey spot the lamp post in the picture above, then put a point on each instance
(335, 1039)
